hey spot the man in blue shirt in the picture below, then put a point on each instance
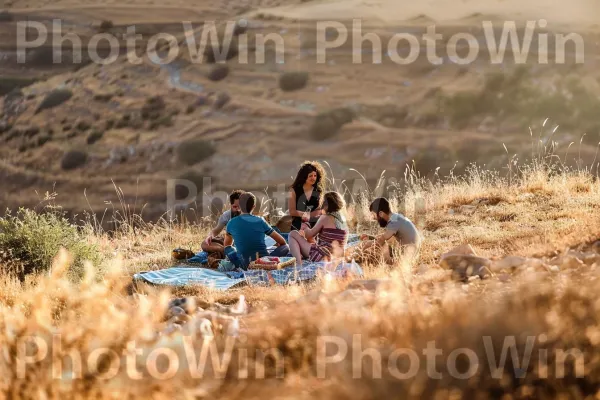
(248, 233)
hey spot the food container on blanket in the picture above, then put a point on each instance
(272, 263)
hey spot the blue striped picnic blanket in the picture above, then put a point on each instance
(306, 272)
(184, 276)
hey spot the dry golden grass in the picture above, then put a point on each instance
(535, 215)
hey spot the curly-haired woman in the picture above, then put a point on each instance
(306, 194)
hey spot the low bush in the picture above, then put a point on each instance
(123, 122)
(218, 72)
(167, 120)
(291, 81)
(32, 131)
(103, 97)
(54, 99)
(13, 134)
(4, 127)
(83, 125)
(8, 84)
(73, 159)
(105, 26)
(327, 124)
(29, 241)
(515, 96)
(221, 100)
(193, 151)
(110, 123)
(42, 140)
(6, 16)
(195, 178)
(240, 28)
(41, 57)
(154, 103)
(213, 54)
(94, 136)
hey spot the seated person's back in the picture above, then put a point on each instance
(248, 232)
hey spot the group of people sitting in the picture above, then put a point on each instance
(318, 230)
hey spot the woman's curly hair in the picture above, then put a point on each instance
(305, 169)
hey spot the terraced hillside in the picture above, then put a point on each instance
(129, 124)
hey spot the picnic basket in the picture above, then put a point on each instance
(272, 263)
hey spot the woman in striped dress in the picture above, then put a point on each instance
(330, 231)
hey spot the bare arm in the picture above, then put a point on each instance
(292, 205)
(216, 230)
(293, 211)
(384, 237)
(278, 238)
(228, 240)
(318, 212)
(312, 232)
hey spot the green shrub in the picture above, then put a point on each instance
(110, 123)
(427, 160)
(221, 100)
(218, 72)
(124, 121)
(41, 57)
(6, 16)
(290, 81)
(327, 124)
(154, 103)
(94, 136)
(342, 115)
(29, 241)
(513, 97)
(4, 127)
(195, 177)
(240, 28)
(212, 55)
(54, 99)
(42, 140)
(13, 134)
(83, 125)
(105, 26)
(193, 151)
(103, 97)
(8, 84)
(32, 131)
(73, 159)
